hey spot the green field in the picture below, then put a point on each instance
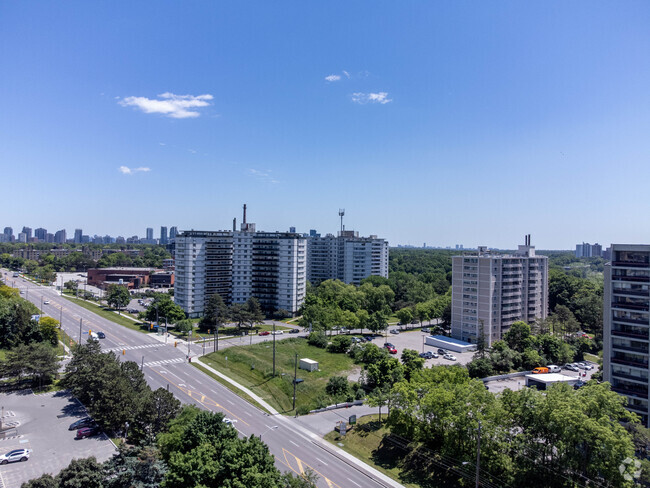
(109, 314)
(252, 366)
(365, 441)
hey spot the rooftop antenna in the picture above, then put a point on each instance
(244, 222)
(341, 214)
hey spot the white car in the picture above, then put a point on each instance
(450, 357)
(278, 332)
(46, 302)
(15, 455)
(394, 331)
(228, 421)
(585, 366)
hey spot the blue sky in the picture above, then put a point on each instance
(441, 122)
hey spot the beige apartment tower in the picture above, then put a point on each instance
(492, 291)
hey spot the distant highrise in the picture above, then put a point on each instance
(149, 234)
(22, 237)
(172, 232)
(292, 230)
(78, 233)
(163, 235)
(9, 232)
(586, 250)
(60, 237)
(41, 234)
(28, 232)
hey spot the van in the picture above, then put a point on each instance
(552, 368)
(540, 370)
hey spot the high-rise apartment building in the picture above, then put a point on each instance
(60, 236)
(270, 266)
(346, 257)
(626, 325)
(586, 250)
(9, 232)
(172, 232)
(149, 233)
(28, 232)
(78, 236)
(41, 234)
(491, 291)
(163, 235)
(22, 237)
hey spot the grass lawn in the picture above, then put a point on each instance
(591, 357)
(252, 366)
(364, 441)
(227, 331)
(110, 315)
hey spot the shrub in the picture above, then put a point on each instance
(317, 339)
(340, 344)
(338, 387)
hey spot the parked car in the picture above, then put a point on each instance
(426, 355)
(94, 335)
(450, 357)
(87, 432)
(442, 351)
(367, 338)
(15, 455)
(586, 366)
(228, 421)
(571, 367)
(392, 350)
(264, 333)
(356, 340)
(578, 384)
(540, 370)
(388, 345)
(426, 329)
(552, 368)
(46, 302)
(278, 332)
(394, 331)
(294, 331)
(435, 355)
(81, 423)
(343, 329)
(101, 335)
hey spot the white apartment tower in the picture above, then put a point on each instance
(626, 325)
(346, 257)
(270, 266)
(493, 291)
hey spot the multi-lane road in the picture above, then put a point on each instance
(294, 446)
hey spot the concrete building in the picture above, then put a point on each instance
(78, 235)
(149, 233)
(41, 234)
(270, 266)
(492, 291)
(586, 250)
(22, 237)
(9, 232)
(163, 235)
(60, 237)
(346, 257)
(172, 233)
(129, 277)
(626, 325)
(28, 232)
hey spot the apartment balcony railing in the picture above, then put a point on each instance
(627, 362)
(631, 335)
(632, 306)
(635, 350)
(634, 279)
(635, 293)
(628, 376)
(640, 393)
(630, 264)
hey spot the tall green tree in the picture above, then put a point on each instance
(118, 296)
(216, 313)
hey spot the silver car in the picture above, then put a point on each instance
(15, 456)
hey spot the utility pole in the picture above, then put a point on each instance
(214, 342)
(142, 364)
(274, 349)
(216, 332)
(61, 318)
(39, 318)
(80, 322)
(295, 376)
(478, 454)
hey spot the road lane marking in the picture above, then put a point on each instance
(300, 464)
(354, 482)
(294, 444)
(321, 461)
(205, 400)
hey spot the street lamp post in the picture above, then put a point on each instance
(273, 427)
(80, 323)
(274, 349)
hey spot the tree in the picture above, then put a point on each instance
(308, 479)
(340, 344)
(238, 314)
(48, 328)
(45, 481)
(378, 398)
(37, 360)
(216, 313)
(318, 339)
(163, 307)
(132, 467)
(405, 315)
(81, 473)
(338, 387)
(518, 337)
(184, 326)
(385, 371)
(411, 361)
(71, 286)
(118, 296)
(254, 313)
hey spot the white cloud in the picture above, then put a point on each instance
(169, 104)
(333, 78)
(263, 175)
(346, 74)
(380, 97)
(129, 171)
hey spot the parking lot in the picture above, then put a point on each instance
(519, 382)
(40, 423)
(414, 339)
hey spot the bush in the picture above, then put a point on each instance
(317, 339)
(302, 410)
(480, 368)
(340, 344)
(338, 387)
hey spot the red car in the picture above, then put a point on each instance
(264, 332)
(392, 350)
(87, 432)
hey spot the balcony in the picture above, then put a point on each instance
(630, 264)
(637, 408)
(643, 321)
(631, 335)
(635, 350)
(634, 279)
(626, 362)
(632, 377)
(631, 306)
(636, 392)
(635, 293)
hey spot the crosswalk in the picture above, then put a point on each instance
(131, 348)
(165, 361)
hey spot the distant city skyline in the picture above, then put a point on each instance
(437, 122)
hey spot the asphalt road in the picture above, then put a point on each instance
(294, 446)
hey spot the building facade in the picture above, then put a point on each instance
(626, 325)
(491, 291)
(238, 265)
(346, 257)
(586, 250)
